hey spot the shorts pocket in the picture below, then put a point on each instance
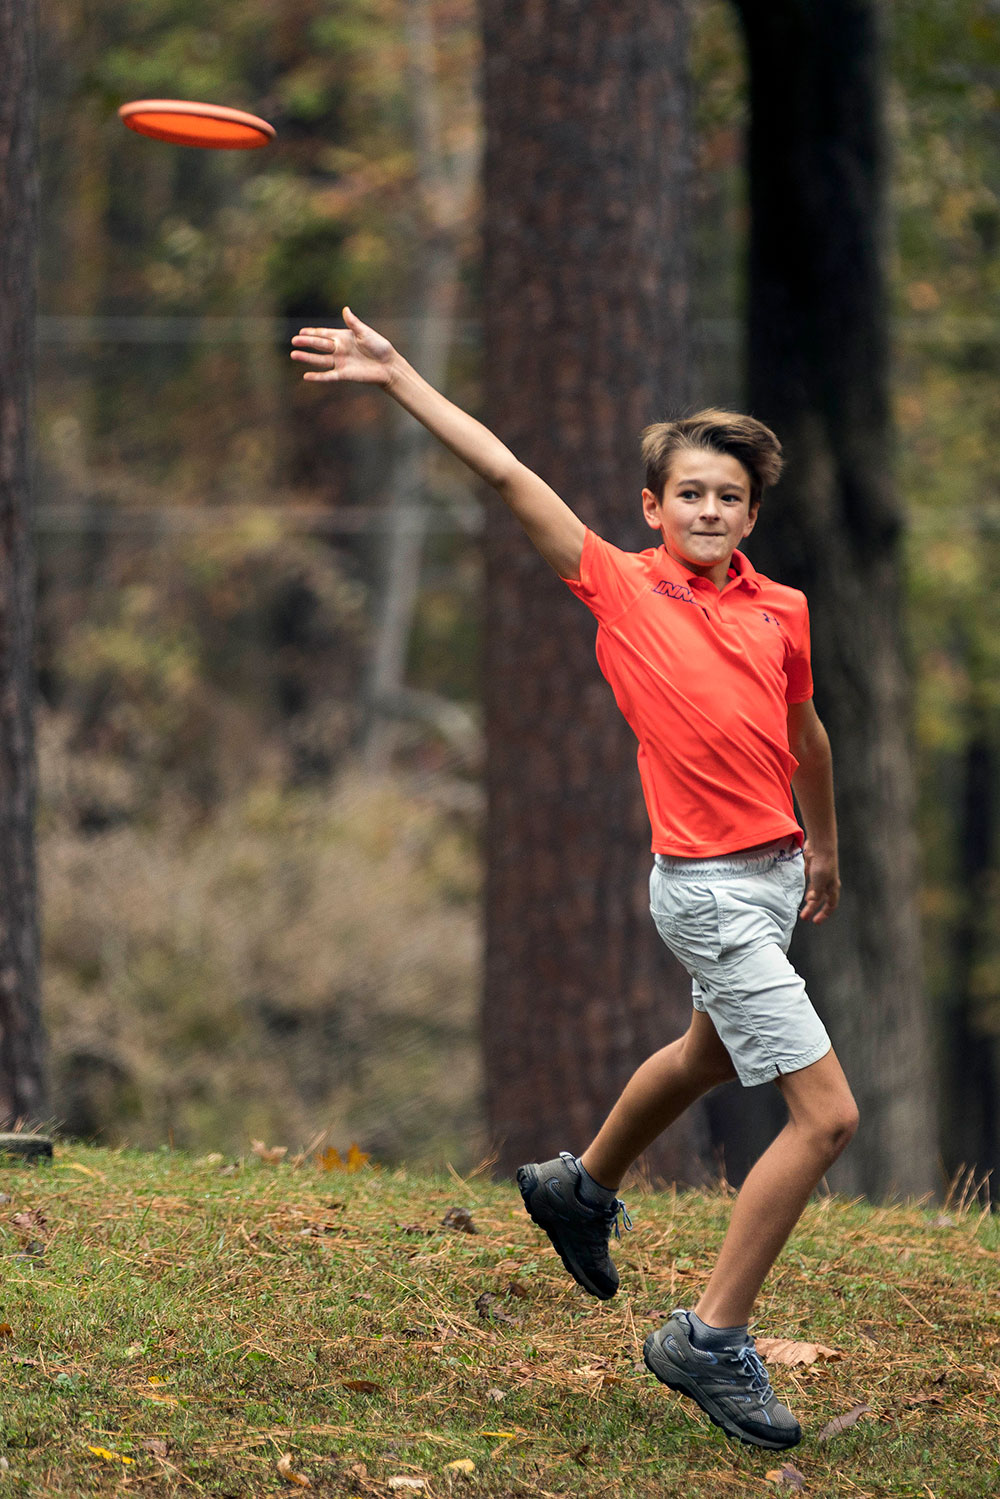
(686, 914)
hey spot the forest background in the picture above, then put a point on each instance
(260, 890)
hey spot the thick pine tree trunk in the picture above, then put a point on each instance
(21, 1081)
(818, 372)
(587, 158)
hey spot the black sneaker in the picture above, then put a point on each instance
(578, 1231)
(730, 1384)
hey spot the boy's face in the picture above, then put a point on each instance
(704, 512)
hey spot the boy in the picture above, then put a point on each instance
(709, 662)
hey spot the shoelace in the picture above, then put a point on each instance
(752, 1366)
(614, 1211)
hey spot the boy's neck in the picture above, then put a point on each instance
(718, 573)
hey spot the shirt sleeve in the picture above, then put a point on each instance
(798, 666)
(610, 579)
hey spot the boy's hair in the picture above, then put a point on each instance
(742, 437)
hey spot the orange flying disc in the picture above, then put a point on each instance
(186, 124)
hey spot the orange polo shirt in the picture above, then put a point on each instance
(704, 677)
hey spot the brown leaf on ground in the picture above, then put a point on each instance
(486, 1306)
(841, 1423)
(285, 1469)
(788, 1351)
(459, 1219)
(400, 1482)
(156, 1445)
(361, 1386)
(31, 1222)
(269, 1154)
(789, 1477)
(923, 1397)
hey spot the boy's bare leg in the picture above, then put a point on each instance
(823, 1118)
(655, 1095)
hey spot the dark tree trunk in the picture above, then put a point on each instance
(818, 372)
(587, 161)
(971, 1105)
(21, 1085)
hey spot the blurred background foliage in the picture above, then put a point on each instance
(248, 928)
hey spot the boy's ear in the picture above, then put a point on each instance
(751, 518)
(651, 509)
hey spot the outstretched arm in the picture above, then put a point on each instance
(813, 787)
(359, 353)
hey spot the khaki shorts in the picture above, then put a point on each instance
(729, 921)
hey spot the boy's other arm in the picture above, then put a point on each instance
(813, 787)
(359, 353)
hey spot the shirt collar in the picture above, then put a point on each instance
(742, 573)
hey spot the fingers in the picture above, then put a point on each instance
(820, 904)
(318, 347)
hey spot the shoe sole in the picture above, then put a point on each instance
(676, 1380)
(527, 1181)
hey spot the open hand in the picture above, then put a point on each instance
(822, 885)
(356, 352)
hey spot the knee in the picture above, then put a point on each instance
(836, 1130)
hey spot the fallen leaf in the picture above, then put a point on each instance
(355, 1158)
(486, 1307)
(788, 1476)
(361, 1386)
(496, 1395)
(841, 1423)
(517, 1288)
(109, 1457)
(6, 1331)
(285, 1469)
(924, 1397)
(271, 1155)
(787, 1351)
(405, 1483)
(156, 1445)
(332, 1160)
(33, 1221)
(84, 1170)
(459, 1219)
(460, 1465)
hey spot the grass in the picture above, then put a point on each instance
(200, 1323)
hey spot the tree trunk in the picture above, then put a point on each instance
(971, 1044)
(818, 372)
(587, 107)
(22, 1094)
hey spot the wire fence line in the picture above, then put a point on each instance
(71, 329)
(183, 520)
